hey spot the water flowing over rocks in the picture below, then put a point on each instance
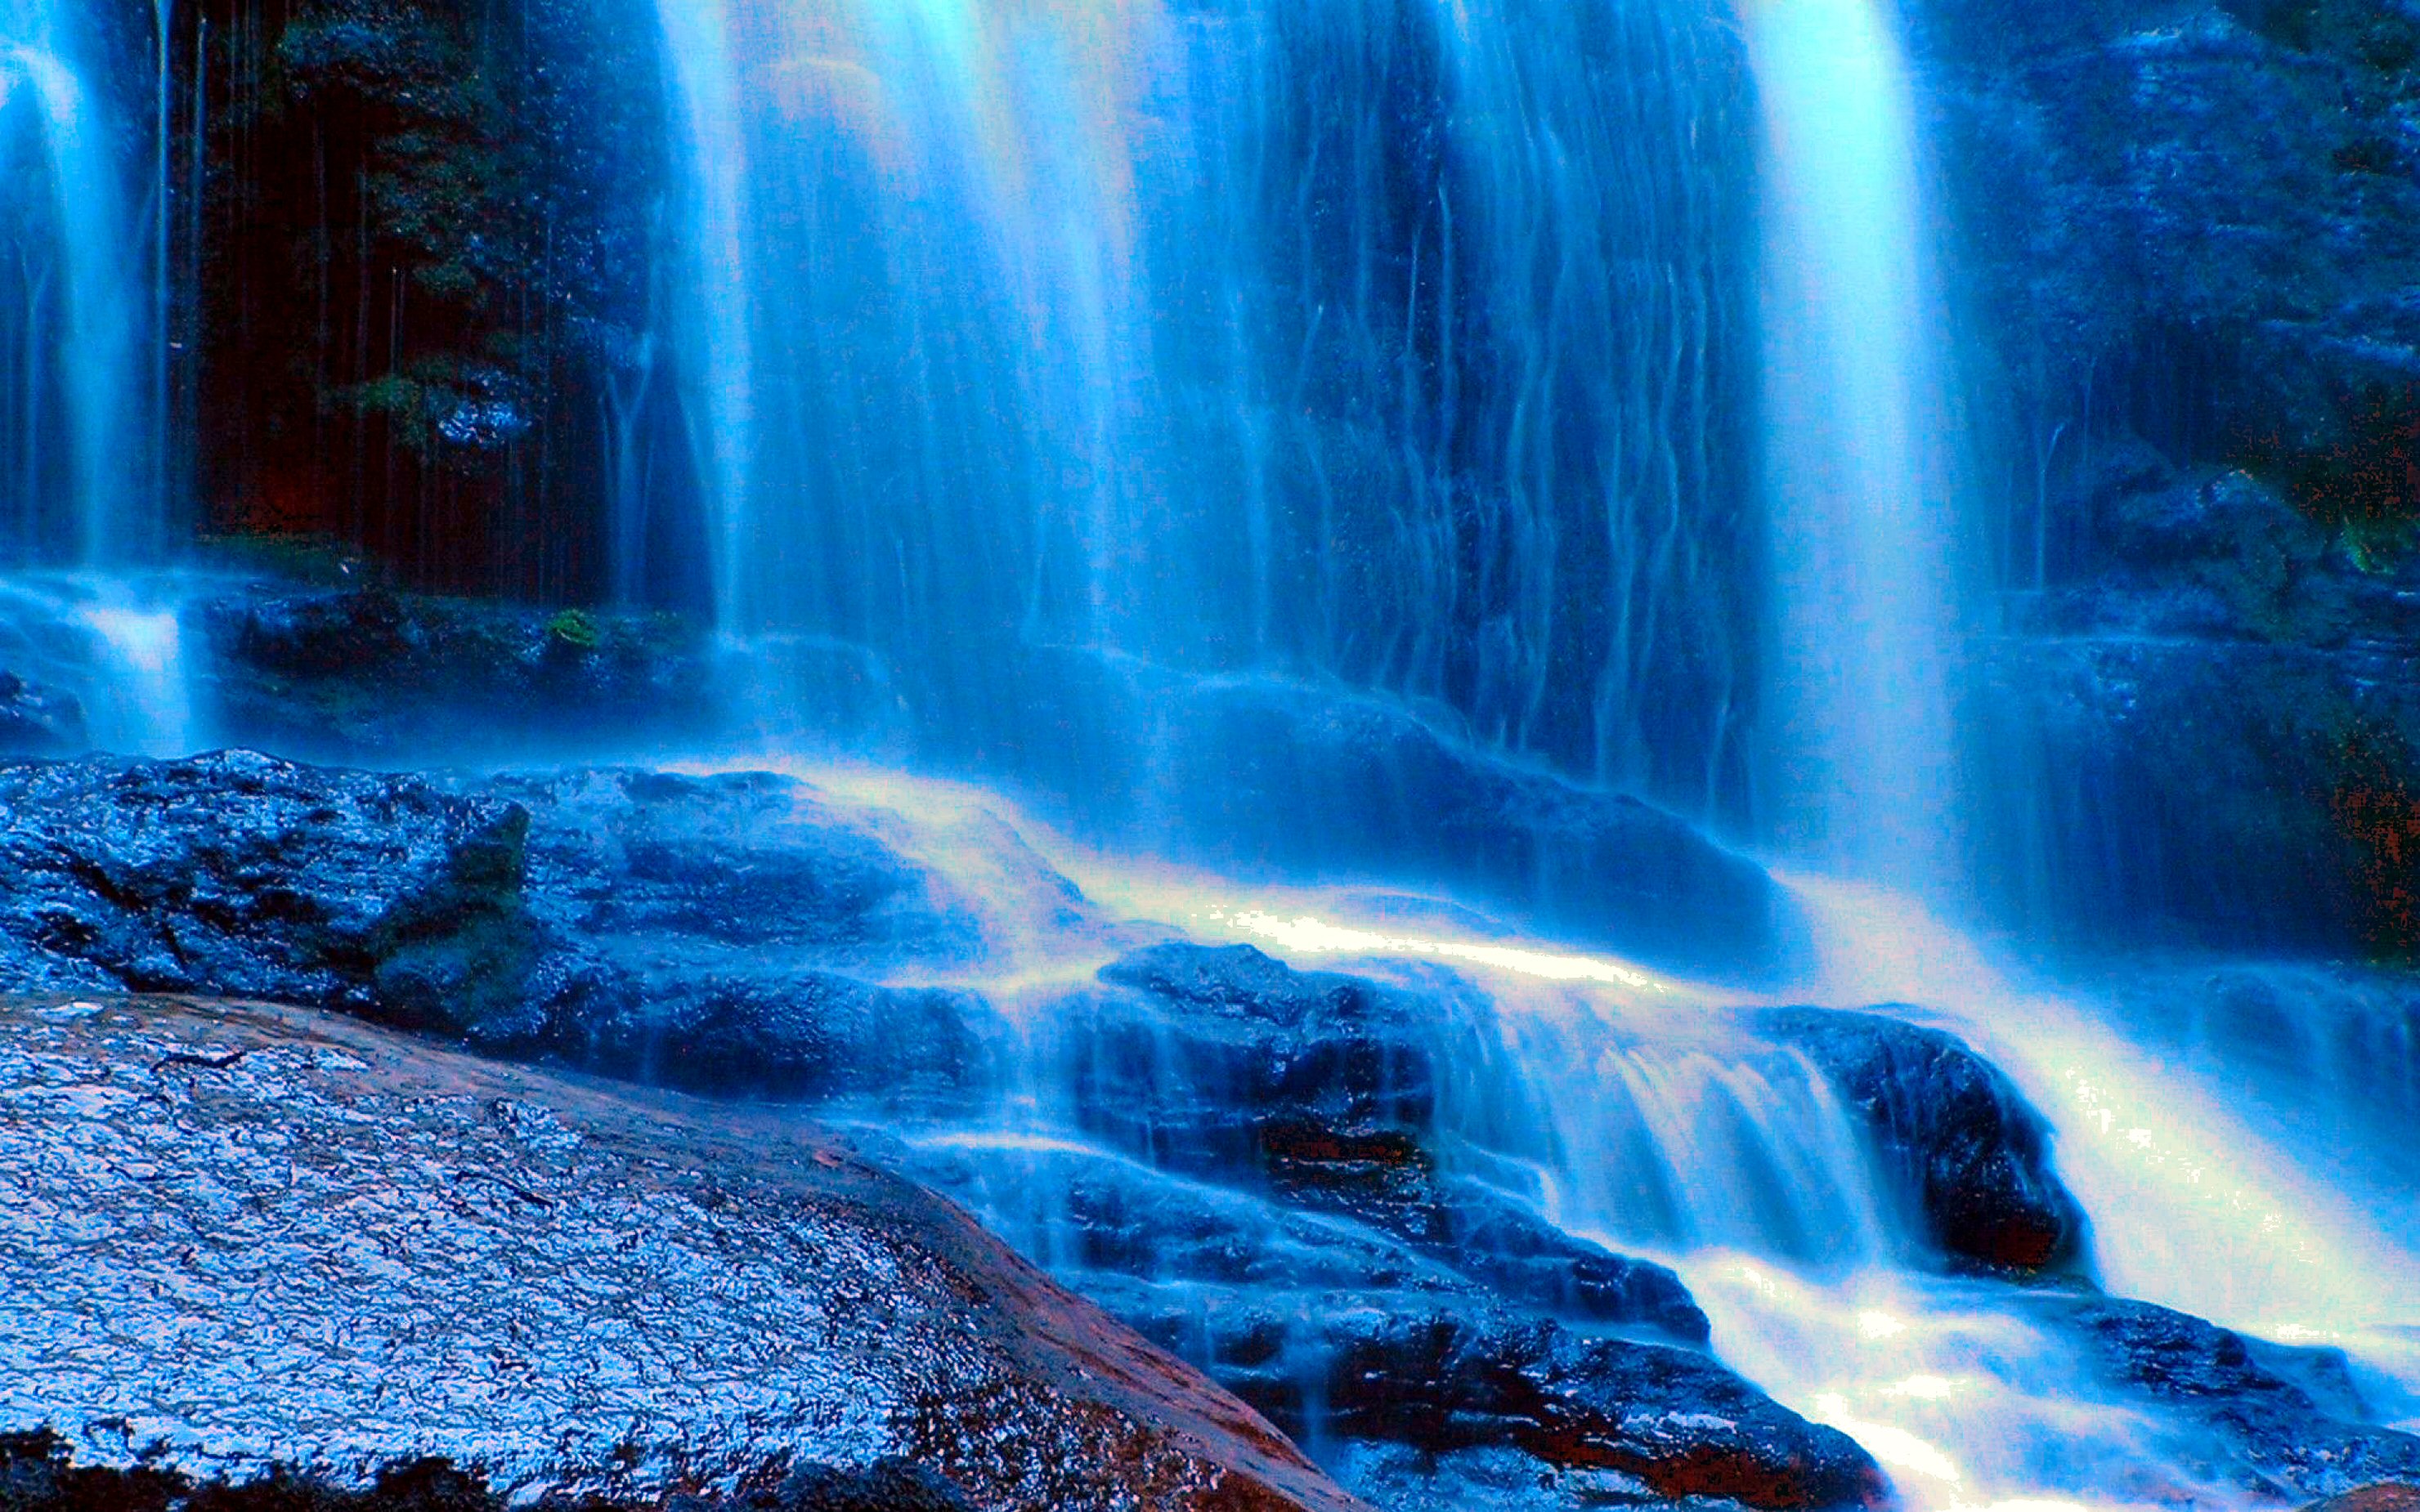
(735, 933)
(1962, 1142)
(1298, 1180)
(2282, 1422)
(242, 1238)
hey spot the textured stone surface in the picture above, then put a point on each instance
(243, 1237)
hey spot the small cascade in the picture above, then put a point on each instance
(116, 647)
(1857, 453)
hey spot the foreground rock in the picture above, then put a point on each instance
(1271, 1195)
(239, 1238)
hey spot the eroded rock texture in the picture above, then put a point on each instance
(243, 1237)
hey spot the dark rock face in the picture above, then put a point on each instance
(37, 720)
(1971, 1154)
(2289, 1421)
(1321, 1090)
(484, 181)
(413, 1254)
(240, 876)
(2187, 232)
(368, 674)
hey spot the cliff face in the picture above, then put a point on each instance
(2188, 236)
(423, 266)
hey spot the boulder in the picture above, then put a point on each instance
(1970, 1154)
(241, 1239)
(2288, 1423)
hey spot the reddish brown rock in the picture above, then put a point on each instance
(243, 1237)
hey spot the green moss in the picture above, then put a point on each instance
(576, 628)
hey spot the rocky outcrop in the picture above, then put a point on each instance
(245, 1237)
(1967, 1151)
(2288, 1423)
(365, 674)
(693, 932)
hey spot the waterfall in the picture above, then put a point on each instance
(79, 431)
(1386, 340)
(1857, 439)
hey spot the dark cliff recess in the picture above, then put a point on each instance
(2187, 236)
(424, 259)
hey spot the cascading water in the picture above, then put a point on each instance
(78, 431)
(1385, 341)
(1403, 346)
(1857, 438)
(84, 296)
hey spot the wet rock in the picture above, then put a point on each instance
(36, 720)
(2287, 1422)
(359, 674)
(710, 933)
(1321, 1090)
(240, 876)
(245, 1237)
(1970, 1153)
(1611, 1417)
